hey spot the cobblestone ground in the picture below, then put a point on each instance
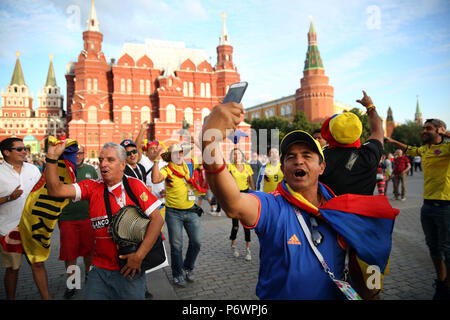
(220, 276)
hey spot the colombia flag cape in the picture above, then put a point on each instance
(365, 222)
(41, 212)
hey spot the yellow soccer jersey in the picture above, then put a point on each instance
(241, 178)
(176, 188)
(436, 169)
(272, 176)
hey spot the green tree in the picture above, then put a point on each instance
(302, 123)
(283, 125)
(409, 133)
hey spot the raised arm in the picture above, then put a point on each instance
(140, 136)
(376, 126)
(397, 143)
(157, 176)
(54, 186)
(235, 204)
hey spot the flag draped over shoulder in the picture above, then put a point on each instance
(365, 222)
(41, 212)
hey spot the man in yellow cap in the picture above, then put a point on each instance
(352, 167)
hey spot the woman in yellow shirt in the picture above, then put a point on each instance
(242, 174)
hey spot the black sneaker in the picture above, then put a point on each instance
(69, 293)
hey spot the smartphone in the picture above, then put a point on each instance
(235, 92)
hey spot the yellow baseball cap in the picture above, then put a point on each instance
(345, 128)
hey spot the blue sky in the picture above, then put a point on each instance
(393, 49)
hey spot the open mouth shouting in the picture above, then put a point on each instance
(300, 173)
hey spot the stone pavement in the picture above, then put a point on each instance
(220, 276)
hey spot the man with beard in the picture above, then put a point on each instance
(435, 211)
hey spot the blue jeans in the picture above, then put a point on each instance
(176, 220)
(105, 284)
(436, 227)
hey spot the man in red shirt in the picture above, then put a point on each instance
(106, 281)
(401, 167)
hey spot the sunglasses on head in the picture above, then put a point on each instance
(19, 149)
(129, 153)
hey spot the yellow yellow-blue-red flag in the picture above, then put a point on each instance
(41, 212)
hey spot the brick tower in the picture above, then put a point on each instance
(390, 124)
(315, 96)
(89, 81)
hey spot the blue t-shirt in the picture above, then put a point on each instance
(289, 269)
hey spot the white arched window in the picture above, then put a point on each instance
(202, 90)
(126, 115)
(95, 85)
(147, 86)
(205, 113)
(92, 114)
(191, 89)
(189, 115)
(283, 110)
(129, 89)
(185, 89)
(145, 114)
(89, 84)
(289, 109)
(122, 86)
(141, 87)
(208, 90)
(171, 115)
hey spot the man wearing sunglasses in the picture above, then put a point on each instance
(133, 168)
(17, 178)
(435, 211)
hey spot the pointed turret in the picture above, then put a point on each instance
(92, 23)
(51, 79)
(224, 38)
(418, 114)
(313, 60)
(17, 77)
(390, 117)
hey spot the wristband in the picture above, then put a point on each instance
(371, 107)
(7, 198)
(48, 160)
(216, 171)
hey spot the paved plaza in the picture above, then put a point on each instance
(220, 276)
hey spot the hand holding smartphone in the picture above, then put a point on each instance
(235, 92)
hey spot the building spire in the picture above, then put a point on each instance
(313, 60)
(17, 77)
(51, 79)
(92, 23)
(418, 114)
(224, 38)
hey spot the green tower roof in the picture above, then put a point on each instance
(51, 79)
(313, 60)
(417, 106)
(17, 77)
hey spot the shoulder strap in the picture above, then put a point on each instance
(129, 191)
(107, 203)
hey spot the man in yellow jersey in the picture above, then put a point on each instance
(270, 174)
(180, 210)
(435, 212)
(242, 174)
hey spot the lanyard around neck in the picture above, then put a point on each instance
(316, 251)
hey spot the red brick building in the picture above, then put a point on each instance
(17, 117)
(161, 82)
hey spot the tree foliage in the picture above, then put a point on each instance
(283, 125)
